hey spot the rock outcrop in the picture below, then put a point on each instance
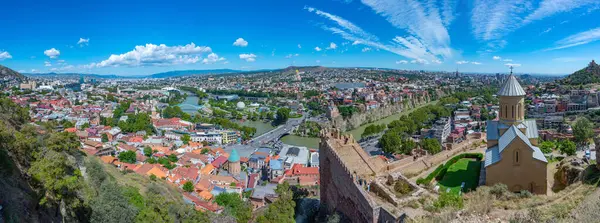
(569, 171)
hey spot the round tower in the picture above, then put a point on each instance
(234, 163)
(512, 101)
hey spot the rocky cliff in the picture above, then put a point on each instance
(372, 115)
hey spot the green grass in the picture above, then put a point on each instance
(464, 170)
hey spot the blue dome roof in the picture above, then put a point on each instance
(234, 157)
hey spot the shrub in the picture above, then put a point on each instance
(525, 194)
(402, 187)
(448, 200)
(501, 192)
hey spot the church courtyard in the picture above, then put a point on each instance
(462, 176)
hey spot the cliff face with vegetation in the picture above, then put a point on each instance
(588, 75)
(372, 115)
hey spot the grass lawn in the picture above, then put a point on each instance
(464, 170)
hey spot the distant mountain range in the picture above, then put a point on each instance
(10, 73)
(587, 75)
(177, 73)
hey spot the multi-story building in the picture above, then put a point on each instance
(441, 129)
(230, 137)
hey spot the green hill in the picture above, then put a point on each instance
(7, 72)
(588, 75)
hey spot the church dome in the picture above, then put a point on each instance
(234, 157)
(511, 87)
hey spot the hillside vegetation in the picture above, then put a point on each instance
(588, 75)
(44, 177)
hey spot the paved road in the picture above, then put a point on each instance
(269, 138)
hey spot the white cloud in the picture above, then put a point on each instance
(437, 61)
(507, 60)
(418, 45)
(47, 64)
(83, 42)
(155, 55)
(296, 55)
(546, 31)
(34, 70)
(299, 46)
(476, 63)
(424, 22)
(492, 20)
(212, 58)
(332, 46)
(318, 61)
(419, 61)
(317, 49)
(401, 62)
(240, 42)
(512, 64)
(291, 55)
(366, 49)
(248, 57)
(5, 55)
(63, 68)
(497, 58)
(462, 62)
(577, 39)
(52, 53)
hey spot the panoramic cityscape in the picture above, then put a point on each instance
(301, 111)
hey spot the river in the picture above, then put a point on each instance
(190, 105)
(261, 127)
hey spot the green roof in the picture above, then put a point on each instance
(234, 157)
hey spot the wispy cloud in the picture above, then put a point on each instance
(402, 62)
(577, 39)
(83, 42)
(492, 20)
(476, 63)
(427, 40)
(332, 46)
(497, 58)
(512, 64)
(507, 60)
(423, 21)
(419, 61)
(366, 49)
(462, 62)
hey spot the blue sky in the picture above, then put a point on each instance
(145, 37)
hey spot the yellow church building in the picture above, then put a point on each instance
(512, 156)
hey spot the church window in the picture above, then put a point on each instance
(513, 111)
(516, 157)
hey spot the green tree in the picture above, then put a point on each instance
(188, 186)
(283, 114)
(391, 142)
(547, 146)
(104, 137)
(433, 146)
(582, 130)
(568, 147)
(186, 138)
(127, 156)
(111, 206)
(148, 151)
(173, 158)
(233, 204)
(282, 210)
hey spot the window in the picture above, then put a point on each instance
(516, 157)
(506, 111)
(513, 111)
(519, 110)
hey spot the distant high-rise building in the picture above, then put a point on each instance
(81, 80)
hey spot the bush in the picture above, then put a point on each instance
(402, 187)
(448, 200)
(427, 180)
(525, 194)
(501, 192)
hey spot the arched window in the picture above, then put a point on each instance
(513, 111)
(519, 112)
(516, 157)
(506, 111)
